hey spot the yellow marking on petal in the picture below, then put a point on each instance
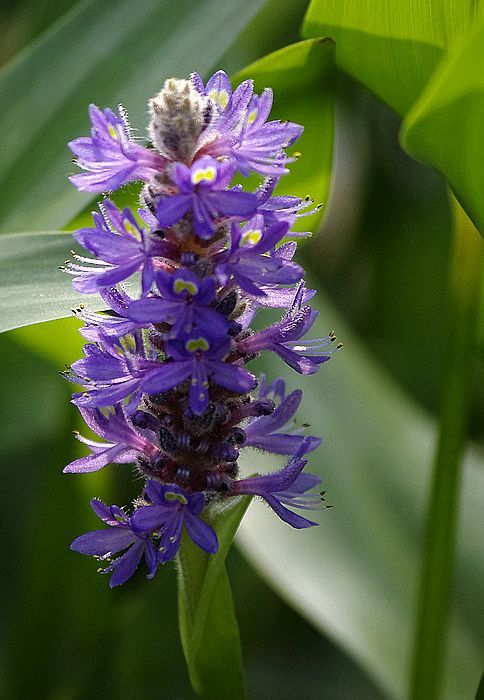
(185, 285)
(113, 133)
(251, 237)
(206, 175)
(252, 116)
(170, 496)
(219, 97)
(119, 518)
(129, 228)
(197, 344)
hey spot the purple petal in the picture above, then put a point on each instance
(149, 518)
(94, 462)
(170, 209)
(202, 534)
(233, 202)
(287, 515)
(166, 377)
(104, 512)
(125, 566)
(151, 310)
(232, 377)
(151, 559)
(101, 542)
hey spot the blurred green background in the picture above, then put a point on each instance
(381, 259)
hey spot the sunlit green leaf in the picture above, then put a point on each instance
(32, 288)
(208, 626)
(105, 53)
(444, 129)
(354, 577)
(392, 46)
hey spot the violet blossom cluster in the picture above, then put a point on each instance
(164, 376)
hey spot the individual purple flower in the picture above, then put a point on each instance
(171, 510)
(252, 260)
(260, 145)
(275, 432)
(121, 246)
(287, 487)
(104, 543)
(240, 129)
(286, 208)
(185, 303)
(200, 358)
(229, 112)
(109, 156)
(112, 323)
(110, 372)
(123, 445)
(201, 189)
(282, 338)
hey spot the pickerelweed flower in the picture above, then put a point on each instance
(164, 378)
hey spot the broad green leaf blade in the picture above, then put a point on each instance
(208, 626)
(355, 576)
(302, 78)
(32, 288)
(104, 53)
(392, 46)
(444, 129)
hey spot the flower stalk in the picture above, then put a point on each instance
(442, 515)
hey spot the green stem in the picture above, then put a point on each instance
(208, 624)
(441, 523)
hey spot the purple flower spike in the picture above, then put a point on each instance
(124, 442)
(109, 156)
(172, 509)
(285, 487)
(275, 433)
(201, 189)
(121, 247)
(164, 373)
(104, 543)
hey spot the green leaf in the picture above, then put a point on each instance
(32, 288)
(105, 53)
(392, 46)
(208, 627)
(302, 78)
(444, 129)
(355, 576)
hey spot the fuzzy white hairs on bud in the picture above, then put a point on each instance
(178, 115)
